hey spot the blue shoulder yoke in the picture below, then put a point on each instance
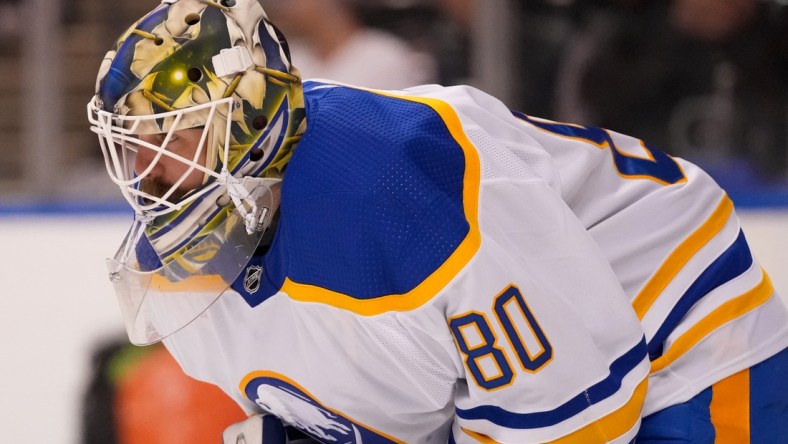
(371, 201)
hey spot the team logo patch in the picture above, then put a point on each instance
(252, 278)
(287, 400)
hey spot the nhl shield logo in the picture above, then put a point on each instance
(252, 278)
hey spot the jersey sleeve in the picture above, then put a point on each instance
(673, 238)
(548, 347)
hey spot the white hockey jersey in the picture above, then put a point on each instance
(446, 271)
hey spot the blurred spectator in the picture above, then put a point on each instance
(703, 79)
(712, 20)
(546, 28)
(140, 396)
(452, 40)
(331, 41)
(10, 19)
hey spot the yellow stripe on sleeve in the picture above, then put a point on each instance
(680, 256)
(484, 439)
(725, 313)
(730, 409)
(613, 425)
(606, 429)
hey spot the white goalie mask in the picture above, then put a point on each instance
(197, 110)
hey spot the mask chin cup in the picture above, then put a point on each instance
(159, 302)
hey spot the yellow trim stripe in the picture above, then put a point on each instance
(680, 256)
(734, 308)
(268, 374)
(484, 439)
(613, 425)
(605, 429)
(448, 270)
(730, 409)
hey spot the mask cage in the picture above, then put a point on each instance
(120, 142)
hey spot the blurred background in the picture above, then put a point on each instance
(706, 80)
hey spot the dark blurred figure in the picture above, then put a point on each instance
(450, 39)
(702, 79)
(140, 396)
(546, 32)
(10, 26)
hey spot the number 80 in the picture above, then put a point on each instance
(477, 341)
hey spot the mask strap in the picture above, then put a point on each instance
(136, 232)
(240, 195)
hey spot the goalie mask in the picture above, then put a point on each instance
(197, 110)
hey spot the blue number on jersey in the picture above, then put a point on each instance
(478, 346)
(480, 342)
(660, 167)
(541, 351)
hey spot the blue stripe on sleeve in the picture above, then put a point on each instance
(593, 395)
(732, 263)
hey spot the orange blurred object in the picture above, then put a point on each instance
(157, 403)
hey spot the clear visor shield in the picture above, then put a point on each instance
(157, 137)
(158, 303)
